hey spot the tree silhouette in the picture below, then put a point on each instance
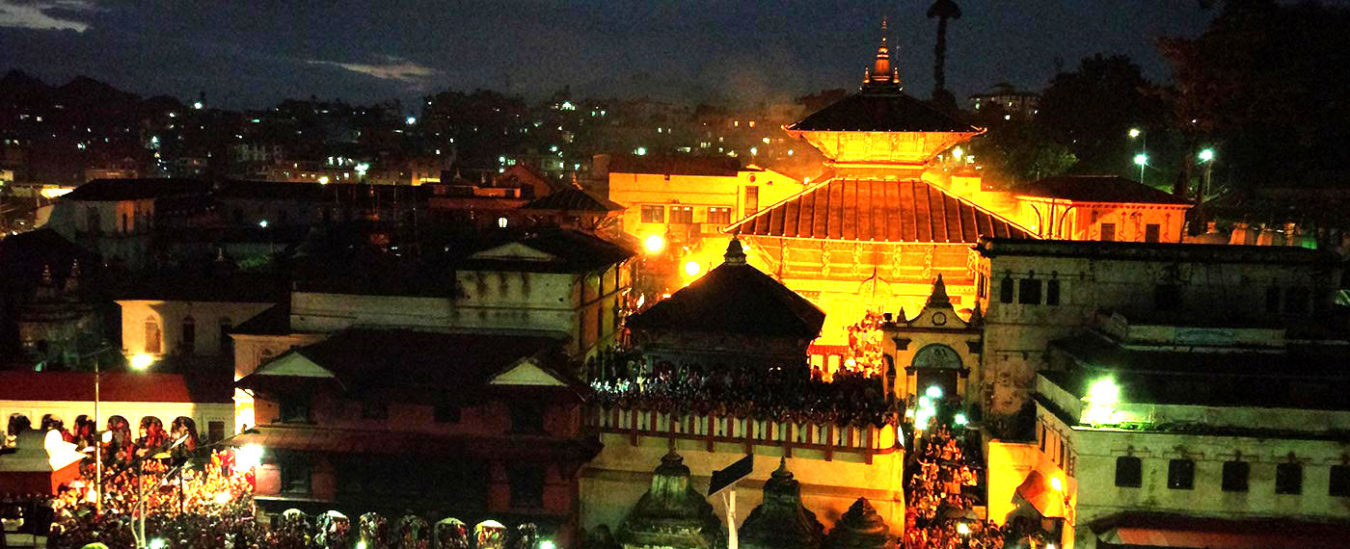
(943, 11)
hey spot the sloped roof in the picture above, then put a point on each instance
(878, 210)
(366, 359)
(276, 320)
(734, 299)
(881, 111)
(675, 165)
(572, 199)
(1098, 188)
(567, 251)
(115, 387)
(109, 190)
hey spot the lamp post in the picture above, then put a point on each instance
(1207, 157)
(1140, 159)
(139, 362)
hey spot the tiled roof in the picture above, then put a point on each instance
(115, 387)
(1098, 188)
(878, 210)
(573, 200)
(881, 111)
(734, 299)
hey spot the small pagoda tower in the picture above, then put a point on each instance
(781, 521)
(861, 527)
(672, 514)
(880, 128)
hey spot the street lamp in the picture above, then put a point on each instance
(1135, 133)
(1141, 160)
(1207, 156)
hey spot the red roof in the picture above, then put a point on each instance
(115, 387)
(878, 210)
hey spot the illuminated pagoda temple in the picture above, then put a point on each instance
(672, 514)
(733, 311)
(781, 521)
(876, 231)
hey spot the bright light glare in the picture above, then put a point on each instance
(141, 361)
(411, 120)
(1100, 403)
(934, 392)
(361, 544)
(960, 419)
(654, 244)
(263, 223)
(323, 180)
(963, 528)
(1206, 155)
(1141, 159)
(248, 456)
(958, 152)
(1104, 391)
(1135, 132)
(547, 544)
(1056, 484)
(157, 543)
(692, 268)
(640, 151)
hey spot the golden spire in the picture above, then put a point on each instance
(881, 71)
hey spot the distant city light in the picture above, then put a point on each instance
(362, 168)
(411, 120)
(323, 180)
(141, 361)
(553, 148)
(501, 222)
(263, 224)
(958, 152)
(754, 151)
(960, 419)
(692, 268)
(197, 105)
(1206, 155)
(568, 106)
(641, 151)
(157, 543)
(654, 244)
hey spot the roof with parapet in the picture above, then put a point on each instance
(574, 200)
(878, 210)
(115, 387)
(1098, 188)
(734, 298)
(873, 110)
(430, 362)
(675, 165)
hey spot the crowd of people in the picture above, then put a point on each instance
(780, 393)
(940, 476)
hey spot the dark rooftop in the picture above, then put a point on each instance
(1299, 376)
(570, 251)
(109, 190)
(572, 199)
(877, 210)
(675, 165)
(1153, 251)
(276, 320)
(881, 111)
(1098, 188)
(734, 299)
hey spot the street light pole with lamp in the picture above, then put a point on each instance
(1140, 159)
(138, 362)
(1206, 156)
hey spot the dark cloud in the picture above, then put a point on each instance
(253, 53)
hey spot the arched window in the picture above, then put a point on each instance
(154, 340)
(189, 339)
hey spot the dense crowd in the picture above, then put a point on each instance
(939, 515)
(762, 392)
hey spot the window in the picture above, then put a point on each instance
(653, 214)
(751, 200)
(1273, 299)
(1108, 232)
(1340, 482)
(527, 486)
(1052, 292)
(1181, 474)
(295, 474)
(1289, 478)
(1166, 297)
(1005, 290)
(446, 413)
(215, 431)
(682, 214)
(1235, 475)
(1029, 291)
(1129, 472)
(294, 409)
(154, 341)
(1151, 232)
(527, 417)
(189, 343)
(719, 216)
(374, 410)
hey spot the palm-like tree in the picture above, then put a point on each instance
(943, 10)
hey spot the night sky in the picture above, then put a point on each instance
(251, 54)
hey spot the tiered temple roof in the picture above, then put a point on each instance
(672, 514)
(781, 521)
(861, 527)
